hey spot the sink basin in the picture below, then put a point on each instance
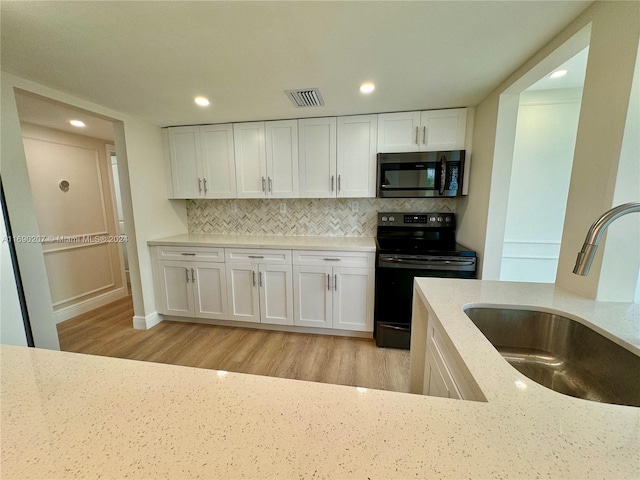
(562, 354)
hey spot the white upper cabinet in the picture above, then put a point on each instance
(251, 159)
(356, 158)
(282, 158)
(317, 156)
(218, 161)
(443, 129)
(202, 162)
(185, 152)
(399, 132)
(267, 159)
(426, 131)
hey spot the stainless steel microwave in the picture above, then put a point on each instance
(420, 174)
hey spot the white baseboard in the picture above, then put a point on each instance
(87, 305)
(145, 323)
(266, 326)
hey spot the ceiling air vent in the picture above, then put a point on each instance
(305, 97)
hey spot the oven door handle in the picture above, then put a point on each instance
(429, 262)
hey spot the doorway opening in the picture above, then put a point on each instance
(545, 137)
(76, 194)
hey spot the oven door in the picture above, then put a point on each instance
(394, 297)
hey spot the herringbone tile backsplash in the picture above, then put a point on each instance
(330, 217)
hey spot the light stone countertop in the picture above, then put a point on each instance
(67, 415)
(356, 244)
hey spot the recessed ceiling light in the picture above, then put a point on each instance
(559, 73)
(77, 123)
(367, 87)
(203, 102)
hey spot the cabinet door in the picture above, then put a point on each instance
(312, 296)
(437, 386)
(242, 293)
(185, 158)
(177, 293)
(356, 159)
(353, 298)
(443, 129)
(282, 159)
(276, 294)
(218, 161)
(398, 132)
(210, 290)
(317, 157)
(251, 162)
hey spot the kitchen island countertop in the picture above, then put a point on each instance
(67, 415)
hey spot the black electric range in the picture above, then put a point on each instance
(412, 245)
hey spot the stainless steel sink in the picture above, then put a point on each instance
(562, 354)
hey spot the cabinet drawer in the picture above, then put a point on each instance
(190, 254)
(334, 258)
(270, 257)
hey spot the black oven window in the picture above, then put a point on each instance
(414, 178)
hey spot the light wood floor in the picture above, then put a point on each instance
(108, 331)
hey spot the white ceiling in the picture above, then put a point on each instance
(34, 109)
(149, 59)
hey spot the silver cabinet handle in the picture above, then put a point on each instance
(186, 270)
(187, 253)
(328, 259)
(332, 178)
(256, 256)
(263, 184)
(335, 282)
(328, 282)
(193, 275)
(205, 185)
(260, 278)
(417, 128)
(200, 185)
(424, 135)
(253, 275)
(270, 185)
(339, 182)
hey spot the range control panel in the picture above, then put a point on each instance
(408, 219)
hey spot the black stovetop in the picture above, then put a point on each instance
(421, 247)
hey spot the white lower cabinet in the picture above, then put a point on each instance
(442, 377)
(193, 289)
(260, 292)
(331, 296)
(322, 289)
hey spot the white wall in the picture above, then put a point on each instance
(148, 213)
(15, 179)
(614, 31)
(11, 326)
(539, 185)
(615, 35)
(621, 256)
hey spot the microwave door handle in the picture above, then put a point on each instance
(443, 174)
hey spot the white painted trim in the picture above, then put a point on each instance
(532, 257)
(265, 326)
(88, 305)
(145, 323)
(85, 294)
